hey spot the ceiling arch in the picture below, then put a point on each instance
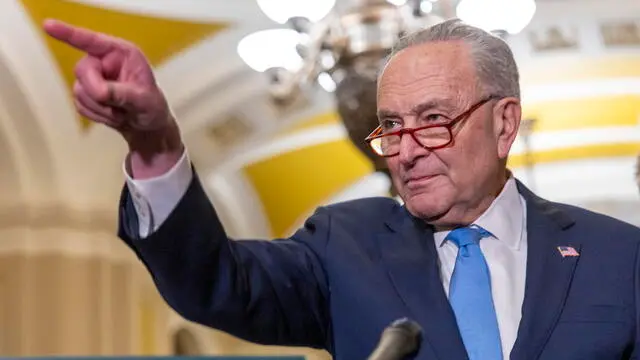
(158, 37)
(28, 166)
(69, 164)
(11, 175)
(209, 88)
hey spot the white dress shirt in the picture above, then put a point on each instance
(506, 253)
(506, 256)
(155, 198)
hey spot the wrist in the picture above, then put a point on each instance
(152, 154)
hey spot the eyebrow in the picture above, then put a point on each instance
(445, 104)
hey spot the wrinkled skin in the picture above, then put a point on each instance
(454, 185)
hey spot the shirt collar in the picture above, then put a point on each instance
(504, 219)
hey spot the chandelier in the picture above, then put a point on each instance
(340, 47)
(354, 39)
(323, 41)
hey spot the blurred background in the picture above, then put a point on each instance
(274, 98)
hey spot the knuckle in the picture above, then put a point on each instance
(101, 94)
(78, 91)
(81, 67)
(127, 45)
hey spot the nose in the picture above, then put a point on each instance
(410, 150)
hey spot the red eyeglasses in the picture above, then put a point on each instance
(431, 137)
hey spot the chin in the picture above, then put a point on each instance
(427, 206)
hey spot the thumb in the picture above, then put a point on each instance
(128, 96)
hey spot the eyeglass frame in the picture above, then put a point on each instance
(375, 134)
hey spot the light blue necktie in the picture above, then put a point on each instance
(470, 296)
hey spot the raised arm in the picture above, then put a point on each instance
(271, 292)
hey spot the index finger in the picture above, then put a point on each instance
(91, 42)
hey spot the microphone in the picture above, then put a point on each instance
(398, 340)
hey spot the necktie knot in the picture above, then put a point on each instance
(466, 236)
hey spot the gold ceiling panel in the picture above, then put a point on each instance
(159, 38)
(610, 66)
(294, 183)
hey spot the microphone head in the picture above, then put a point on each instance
(400, 339)
(411, 327)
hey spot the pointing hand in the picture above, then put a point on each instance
(115, 86)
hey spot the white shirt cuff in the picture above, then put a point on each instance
(154, 199)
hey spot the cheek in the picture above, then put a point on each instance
(394, 168)
(392, 164)
(469, 158)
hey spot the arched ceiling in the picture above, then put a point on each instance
(160, 38)
(266, 167)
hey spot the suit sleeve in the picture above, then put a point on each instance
(636, 348)
(269, 292)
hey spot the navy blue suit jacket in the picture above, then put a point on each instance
(357, 266)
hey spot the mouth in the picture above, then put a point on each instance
(419, 181)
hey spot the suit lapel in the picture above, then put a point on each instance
(410, 257)
(548, 276)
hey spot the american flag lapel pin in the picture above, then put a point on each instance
(567, 251)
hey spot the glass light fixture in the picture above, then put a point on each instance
(511, 16)
(267, 49)
(282, 10)
(426, 6)
(326, 82)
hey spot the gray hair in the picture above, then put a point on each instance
(495, 65)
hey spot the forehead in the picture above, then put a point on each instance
(427, 71)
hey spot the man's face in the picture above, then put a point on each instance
(445, 186)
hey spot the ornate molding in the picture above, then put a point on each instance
(62, 231)
(59, 217)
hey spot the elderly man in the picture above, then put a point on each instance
(488, 269)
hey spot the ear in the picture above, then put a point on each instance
(506, 119)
